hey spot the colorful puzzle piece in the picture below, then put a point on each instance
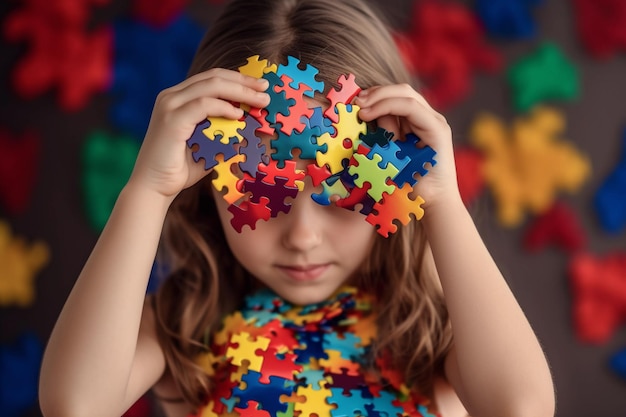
(19, 264)
(599, 291)
(527, 165)
(445, 45)
(610, 198)
(148, 60)
(20, 362)
(545, 74)
(508, 19)
(601, 26)
(19, 163)
(107, 164)
(62, 52)
(559, 226)
(349, 157)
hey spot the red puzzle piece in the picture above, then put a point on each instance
(599, 289)
(19, 160)
(62, 53)
(349, 90)
(161, 15)
(446, 44)
(274, 366)
(601, 25)
(559, 226)
(248, 213)
(469, 177)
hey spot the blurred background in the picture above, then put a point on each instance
(533, 89)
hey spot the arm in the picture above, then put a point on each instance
(101, 357)
(496, 366)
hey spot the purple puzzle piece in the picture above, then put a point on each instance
(207, 148)
(254, 151)
(275, 192)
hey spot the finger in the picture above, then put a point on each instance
(374, 94)
(259, 84)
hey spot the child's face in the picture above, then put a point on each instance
(305, 255)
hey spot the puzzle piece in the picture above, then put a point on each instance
(395, 206)
(224, 129)
(248, 213)
(618, 363)
(273, 365)
(348, 91)
(62, 52)
(160, 16)
(252, 410)
(299, 76)
(469, 177)
(20, 362)
(559, 226)
(315, 401)
(347, 405)
(226, 179)
(275, 193)
(599, 290)
(298, 113)
(418, 158)
(107, 161)
(304, 141)
(545, 74)
(527, 165)
(256, 67)
(268, 395)
(19, 163)
(601, 26)
(610, 198)
(508, 19)
(147, 60)
(334, 153)
(294, 177)
(247, 349)
(19, 263)
(368, 169)
(445, 46)
(254, 150)
(207, 148)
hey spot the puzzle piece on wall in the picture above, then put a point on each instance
(601, 26)
(446, 46)
(599, 294)
(527, 165)
(20, 362)
(19, 166)
(546, 74)
(62, 53)
(20, 262)
(610, 197)
(148, 60)
(558, 226)
(107, 161)
(508, 19)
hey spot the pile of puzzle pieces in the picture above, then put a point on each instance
(273, 358)
(354, 164)
(527, 165)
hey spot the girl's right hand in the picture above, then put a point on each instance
(165, 164)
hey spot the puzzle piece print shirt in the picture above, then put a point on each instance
(272, 358)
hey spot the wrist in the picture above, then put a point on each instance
(136, 190)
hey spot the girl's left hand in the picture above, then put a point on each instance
(401, 109)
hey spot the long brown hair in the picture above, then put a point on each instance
(206, 281)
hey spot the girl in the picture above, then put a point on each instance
(448, 325)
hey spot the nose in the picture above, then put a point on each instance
(303, 228)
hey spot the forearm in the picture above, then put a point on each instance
(90, 352)
(497, 365)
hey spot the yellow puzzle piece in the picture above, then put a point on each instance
(19, 263)
(528, 164)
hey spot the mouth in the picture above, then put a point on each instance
(304, 272)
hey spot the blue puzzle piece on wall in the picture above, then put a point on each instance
(610, 198)
(508, 19)
(146, 61)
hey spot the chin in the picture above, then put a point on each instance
(305, 295)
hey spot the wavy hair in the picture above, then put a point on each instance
(206, 281)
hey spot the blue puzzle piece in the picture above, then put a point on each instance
(508, 19)
(418, 156)
(347, 406)
(312, 377)
(318, 120)
(254, 150)
(384, 404)
(148, 60)
(279, 103)
(19, 375)
(306, 142)
(347, 345)
(618, 363)
(389, 153)
(299, 76)
(267, 395)
(313, 346)
(610, 198)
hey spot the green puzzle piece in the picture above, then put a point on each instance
(545, 74)
(368, 170)
(107, 164)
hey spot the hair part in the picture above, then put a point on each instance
(206, 280)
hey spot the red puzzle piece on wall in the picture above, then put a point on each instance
(444, 47)
(19, 162)
(559, 226)
(599, 289)
(601, 26)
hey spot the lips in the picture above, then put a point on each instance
(304, 272)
